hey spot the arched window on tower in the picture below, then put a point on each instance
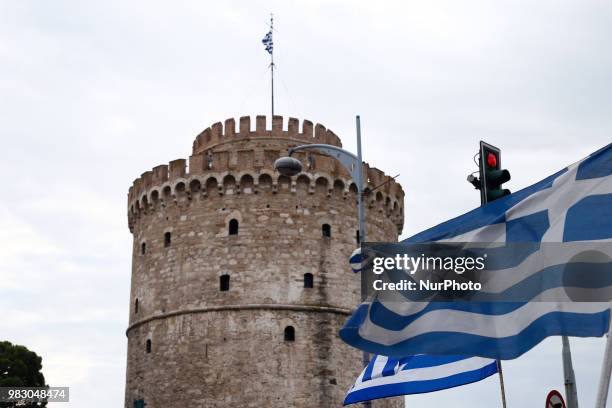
(326, 230)
(224, 283)
(136, 306)
(143, 248)
(148, 346)
(167, 239)
(308, 280)
(289, 333)
(233, 227)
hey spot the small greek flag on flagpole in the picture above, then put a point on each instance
(388, 377)
(267, 42)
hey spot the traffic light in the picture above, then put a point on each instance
(492, 176)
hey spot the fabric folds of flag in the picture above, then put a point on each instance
(360, 260)
(388, 377)
(570, 206)
(267, 42)
(355, 260)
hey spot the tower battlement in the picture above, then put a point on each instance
(227, 132)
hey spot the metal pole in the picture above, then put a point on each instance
(571, 394)
(606, 370)
(362, 232)
(501, 383)
(272, 62)
(359, 181)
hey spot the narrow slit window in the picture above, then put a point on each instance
(308, 280)
(167, 239)
(148, 345)
(289, 333)
(224, 283)
(357, 237)
(233, 227)
(143, 248)
(136, 306)
(326, 230)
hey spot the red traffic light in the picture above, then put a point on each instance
(491, 160)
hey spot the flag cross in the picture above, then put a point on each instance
(556, 200)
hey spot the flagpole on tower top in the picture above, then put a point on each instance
(272, 64)
(269, 44)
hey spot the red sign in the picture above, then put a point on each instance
(555, 400)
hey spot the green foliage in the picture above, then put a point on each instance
(20, 367)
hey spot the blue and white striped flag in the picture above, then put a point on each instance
(267, 42)
(572, 205)
(360, 260)
(388, 377)
(355, 260)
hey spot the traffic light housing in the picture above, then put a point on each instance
(492, 176)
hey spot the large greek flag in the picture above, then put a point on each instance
(571, 206)
(388, 377)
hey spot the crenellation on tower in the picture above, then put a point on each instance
(226, 132)
(277, 126)
(221, 254)
(293, 128)
(260, 126)
(245, 126)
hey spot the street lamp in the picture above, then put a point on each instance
(290, 166)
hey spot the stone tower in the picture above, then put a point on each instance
(240, 277)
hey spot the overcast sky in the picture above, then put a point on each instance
(93, 93)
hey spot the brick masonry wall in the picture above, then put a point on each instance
(212, 348)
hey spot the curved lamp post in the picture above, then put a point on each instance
(290, 166)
